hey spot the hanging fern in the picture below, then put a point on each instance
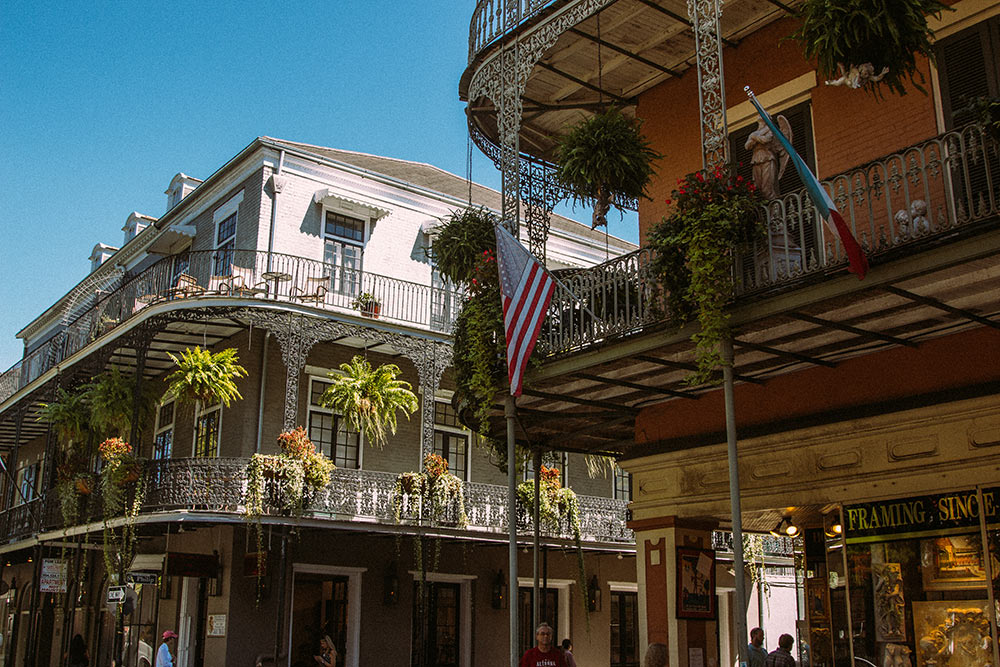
(888, 34)
(69, 415)
(605, 159)
(206, 377)
(112, 399)
(369, 397)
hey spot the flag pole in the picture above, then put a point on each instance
(510, 412)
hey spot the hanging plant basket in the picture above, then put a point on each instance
(866, 43)
(369, 398)
(206, 377)
(604, 160)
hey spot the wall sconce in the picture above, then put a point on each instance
(498, 598)
(593, 595)
(834, 530)
(390, 585)
(785, 528)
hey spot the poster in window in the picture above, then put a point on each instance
(816, 601)
(695, 583)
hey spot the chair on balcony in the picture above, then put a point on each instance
(315, 290)
(186, 286)
(242, 282)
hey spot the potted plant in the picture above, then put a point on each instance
(713, 211)
(369, 398)
(866, 42)
(72, 483)
(428, 494)
(368, 304)
(604, 160)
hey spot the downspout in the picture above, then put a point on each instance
(263, 386)
(277, 184)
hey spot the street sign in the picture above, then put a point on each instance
(149, 578)
(116, 594)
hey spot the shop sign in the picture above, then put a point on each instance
(216, 625)
(55, 575)
(919, 514)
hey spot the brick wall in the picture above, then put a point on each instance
(850, 127)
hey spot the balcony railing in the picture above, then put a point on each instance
(238, 273)
(923, 194)
(494, 18)
(219, 485)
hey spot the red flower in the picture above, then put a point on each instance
(668, 202)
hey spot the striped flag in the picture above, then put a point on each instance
(526, 289)
(857, 262)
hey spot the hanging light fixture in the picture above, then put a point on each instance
(835, 529)
(594, 595)
(390, 585)
(785, 528)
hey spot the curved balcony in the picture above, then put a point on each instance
(954, 179)
(214, 486)
(206, 277)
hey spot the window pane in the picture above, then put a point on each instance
(445, 415)
(624, 629)
(316, 391)
(223, 264)
(623, 485)
(344, 227)
(452, 448)
(207, 435)
(227, 230)
(321, 432)
(166, 416)
(163, 444)
(347, 446)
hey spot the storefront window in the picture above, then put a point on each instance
(917, 578)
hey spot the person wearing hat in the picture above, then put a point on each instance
(163, 655)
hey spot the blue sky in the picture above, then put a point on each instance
(102, 103)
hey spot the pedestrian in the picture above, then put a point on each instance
(567, 647)
(656, 656)
(327, 652)
(164, 658)
(544, 653)
(78, 655)
(781, 656)
(755, 649)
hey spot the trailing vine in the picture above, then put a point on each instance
(556, 504)
(121, 481)
(287, 481)
(714, 211)
(430, 493)
(753, 562)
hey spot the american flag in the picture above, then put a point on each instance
(526, 289)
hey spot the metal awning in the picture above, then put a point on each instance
(172, 239)
(333, 198)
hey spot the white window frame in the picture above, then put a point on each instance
(19, 499)
(159, 428)
(366, 221)
(562, 587)
(445, 397)
(324, 377)
(222, 214)
(352, 652)
(199, 413)
(465, 582)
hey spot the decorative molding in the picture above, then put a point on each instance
(913, 449)
(839, 460)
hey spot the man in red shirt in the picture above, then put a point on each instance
(544, 654)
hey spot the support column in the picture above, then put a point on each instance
(295, 342)
(657, 541)
(141, 350)
(431, 360)
(704, 16)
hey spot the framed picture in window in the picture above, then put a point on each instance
(695, 583)
(954, 562)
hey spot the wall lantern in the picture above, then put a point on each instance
(498, 599)
(390, 585)
(593, 595)
(785, 528)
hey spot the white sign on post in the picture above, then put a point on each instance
(55, 576)
(116, 594)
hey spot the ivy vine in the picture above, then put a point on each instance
(714, 211)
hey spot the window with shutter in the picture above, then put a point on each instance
(968, 68)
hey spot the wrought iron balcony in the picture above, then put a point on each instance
(204, 276)
(492, 19)
(924, 195)
(219, 485)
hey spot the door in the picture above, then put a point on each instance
(441, 646)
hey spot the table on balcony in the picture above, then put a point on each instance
(275, 277)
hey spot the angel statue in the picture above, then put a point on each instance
(769, 157)
(858, 76)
